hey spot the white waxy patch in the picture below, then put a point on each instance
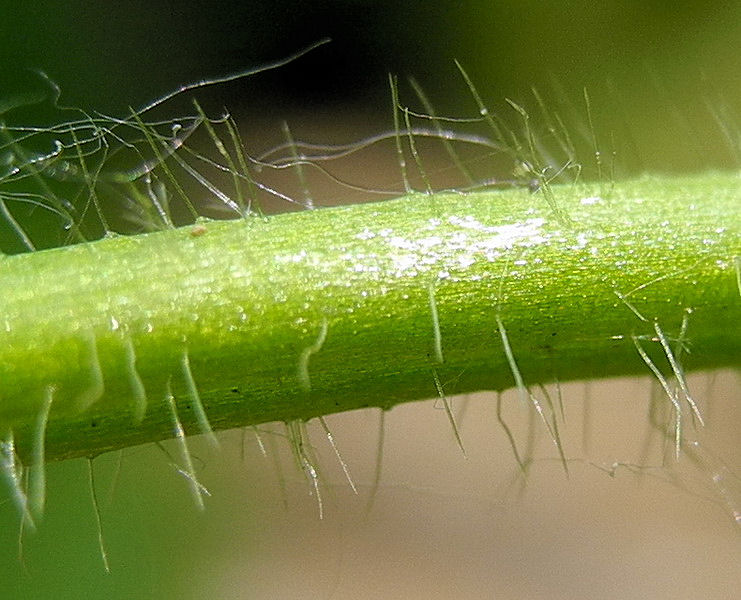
(421, 244)
(581, 242)
(506, 234)
(449, 252)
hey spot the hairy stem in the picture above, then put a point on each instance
(305, 314)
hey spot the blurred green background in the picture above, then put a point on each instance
(665, 83)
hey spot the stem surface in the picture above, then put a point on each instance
(306, 314)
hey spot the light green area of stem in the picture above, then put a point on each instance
(306, 314)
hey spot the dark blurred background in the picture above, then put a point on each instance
(664, 80)
(651, 68)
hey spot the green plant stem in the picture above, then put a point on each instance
(306, 314)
